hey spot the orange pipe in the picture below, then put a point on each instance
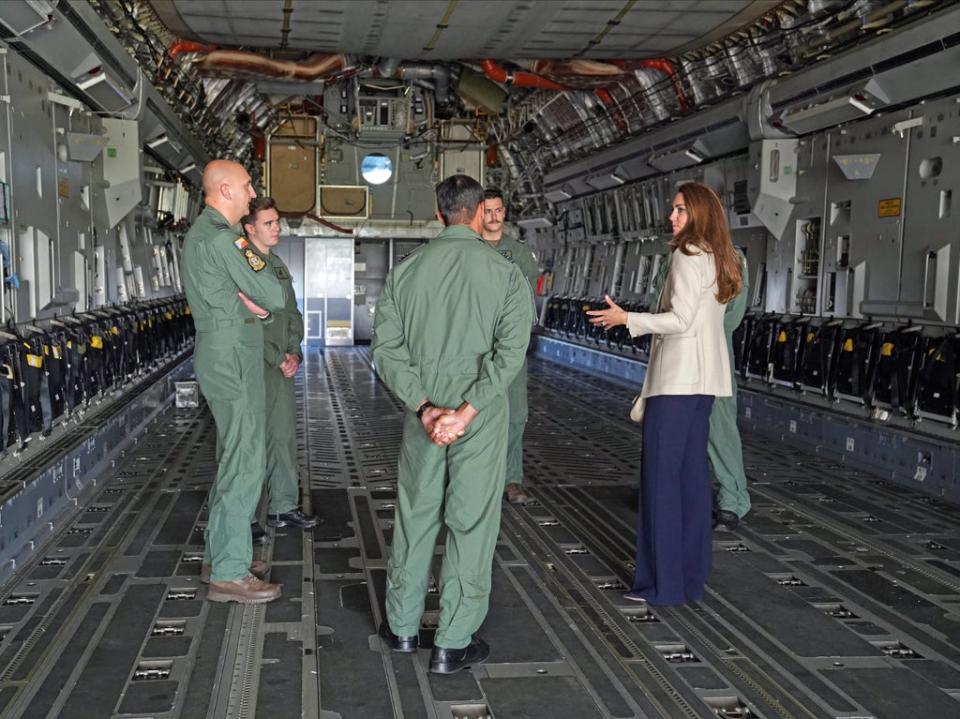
(187, 46)
(241, 62)
(497, 73)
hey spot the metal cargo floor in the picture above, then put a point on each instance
(839, 597)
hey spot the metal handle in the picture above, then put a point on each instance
(931, 255)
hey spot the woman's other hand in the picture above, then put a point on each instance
(609, 318)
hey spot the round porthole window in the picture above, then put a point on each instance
(376, 168)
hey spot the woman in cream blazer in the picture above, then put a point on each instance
(688, 366)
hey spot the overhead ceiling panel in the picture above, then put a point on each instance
(412, 29)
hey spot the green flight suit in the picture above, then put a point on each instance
(281, 336)
(511, 247)
(724, 447)
(228, 359)
(452, 325)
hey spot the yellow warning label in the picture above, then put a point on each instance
(886, 350)
(782, 337)
(890, 207)
(810, 336)
(115, 330)
(34, 360)
(848, 346)
(56, 352)
(96, 342)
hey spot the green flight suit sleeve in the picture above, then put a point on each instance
(531, 269)
(737, 307)
(390, 354)
(295, 332)
(511, 338)
(261, 286)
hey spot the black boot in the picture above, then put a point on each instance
(293, 518)
(259, 533)
(404, 645)
(450, 661)
(726, 519)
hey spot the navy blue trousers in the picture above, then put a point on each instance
(674, 532)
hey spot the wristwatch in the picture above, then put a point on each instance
(423, 408)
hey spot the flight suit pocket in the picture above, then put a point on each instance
(218, 373)
(678, 361)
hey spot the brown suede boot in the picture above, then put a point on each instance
(258, 568)
(248, 590)
(514, 494)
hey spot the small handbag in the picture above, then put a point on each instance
(636, 409)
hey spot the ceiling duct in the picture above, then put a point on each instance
(166, 149)
(827, 114)
(784, 105)
(107, 91)
(607, 180)
(22, 17)
(678, 159)
(535, 223)
(74, 44)
(558, 195)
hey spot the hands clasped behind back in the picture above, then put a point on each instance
(444, 425)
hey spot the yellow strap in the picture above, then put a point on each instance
(115, 330)
(34, 360)
(810, 336)
(782, 337)
(848, 346)
(56, 352)
(886, 350)
(96, 342)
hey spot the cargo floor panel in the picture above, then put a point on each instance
(836, 596)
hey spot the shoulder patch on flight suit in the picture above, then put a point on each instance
(254, 260)
(240, 243)
(507, 254)
(281, 272)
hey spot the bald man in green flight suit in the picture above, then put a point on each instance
(517, 251)
(282, 358)
(218, 269)
(451, 332)
(724, 447)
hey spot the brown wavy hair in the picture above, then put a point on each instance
(707, 230)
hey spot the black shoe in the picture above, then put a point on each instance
(259, 533)
(404, 645)
(450, 661)
(293, 518)
(725, 517)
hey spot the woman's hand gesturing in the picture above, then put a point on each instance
(609, 318)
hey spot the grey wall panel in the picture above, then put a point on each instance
(33, 181)
(881, 241)
(931, 221)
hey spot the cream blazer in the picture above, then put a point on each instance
(688, 354)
